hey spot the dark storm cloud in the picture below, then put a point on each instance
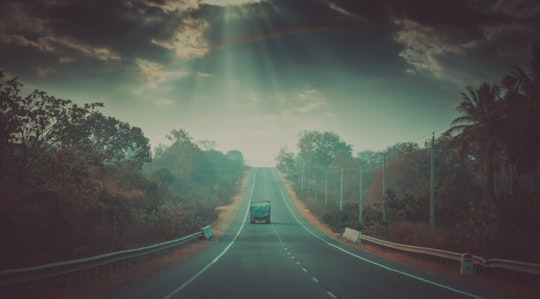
(270, 66)
(107, 23)
(57, 34)
(439, 37)
(422, 35)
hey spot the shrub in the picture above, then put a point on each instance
(339, 220)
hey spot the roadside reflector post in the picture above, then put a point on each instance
(466, 264)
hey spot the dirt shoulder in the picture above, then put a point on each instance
(98, 288)
(504, 286)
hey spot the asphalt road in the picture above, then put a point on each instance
(290, 258)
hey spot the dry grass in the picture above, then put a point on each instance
(305, 211)
(227, 213)
(98, 288)
(411, 230)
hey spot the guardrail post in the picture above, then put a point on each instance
(467, 265)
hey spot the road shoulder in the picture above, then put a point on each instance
(98, 288)
(504, 286)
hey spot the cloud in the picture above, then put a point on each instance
(18, 26)
(308, 100)
(188, 41)
(56, 45)
(167, 6)
(342, 11)
(522, 9)
(101, 53)
(66, 59)
(253, 98)
(283, 104)
(204, 75)
(15, 17)
(425, 47)
(231, 2)
(181, 6)
(42, 72)
(156, 74)
(163, 102)
(464, 50)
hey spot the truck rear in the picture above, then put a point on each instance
(260, 211)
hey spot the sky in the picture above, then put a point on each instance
(251, 75)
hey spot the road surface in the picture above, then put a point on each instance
(290, 258)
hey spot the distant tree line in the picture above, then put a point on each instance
(74, 182)
(486, 175)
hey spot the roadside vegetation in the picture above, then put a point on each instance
(486, 176)
(75, 183)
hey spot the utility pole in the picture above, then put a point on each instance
(308, 182)
(432, 187)
(341, 192)
(302, 185)
(384, 219)
(316, 184)
(325, 188)
(360, 195)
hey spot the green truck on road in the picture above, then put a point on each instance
(260, 211)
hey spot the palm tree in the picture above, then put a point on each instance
(476, 129)
(524, 87)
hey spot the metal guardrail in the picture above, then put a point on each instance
(29, 274)
(495, 263)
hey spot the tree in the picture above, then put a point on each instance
(455, 185)
(477, 128)
(524, 93)
(399, 149)
(115, 141)
(286, 161)
(41, 136)
(322, 148)
(236, 162)
(207, 145)
(191, 167)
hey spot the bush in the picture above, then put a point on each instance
(373, 220)
(417, 234)
(339, 220)
(199, 214)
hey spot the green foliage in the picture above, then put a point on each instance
(71, 181)
(41, 137)
(322, 148)
(339, 220)
(406, 207)
(399, 150)
(116, 141)
(285, 160)
(372, 220)
(523, 110)
(477, 128)
(499, 130)
(48, 142)
(187, 170)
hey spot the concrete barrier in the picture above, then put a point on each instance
(352, 235)
(207, 232)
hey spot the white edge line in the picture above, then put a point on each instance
(189, 281)
(372, 262)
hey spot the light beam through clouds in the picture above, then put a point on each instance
(251, 74)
